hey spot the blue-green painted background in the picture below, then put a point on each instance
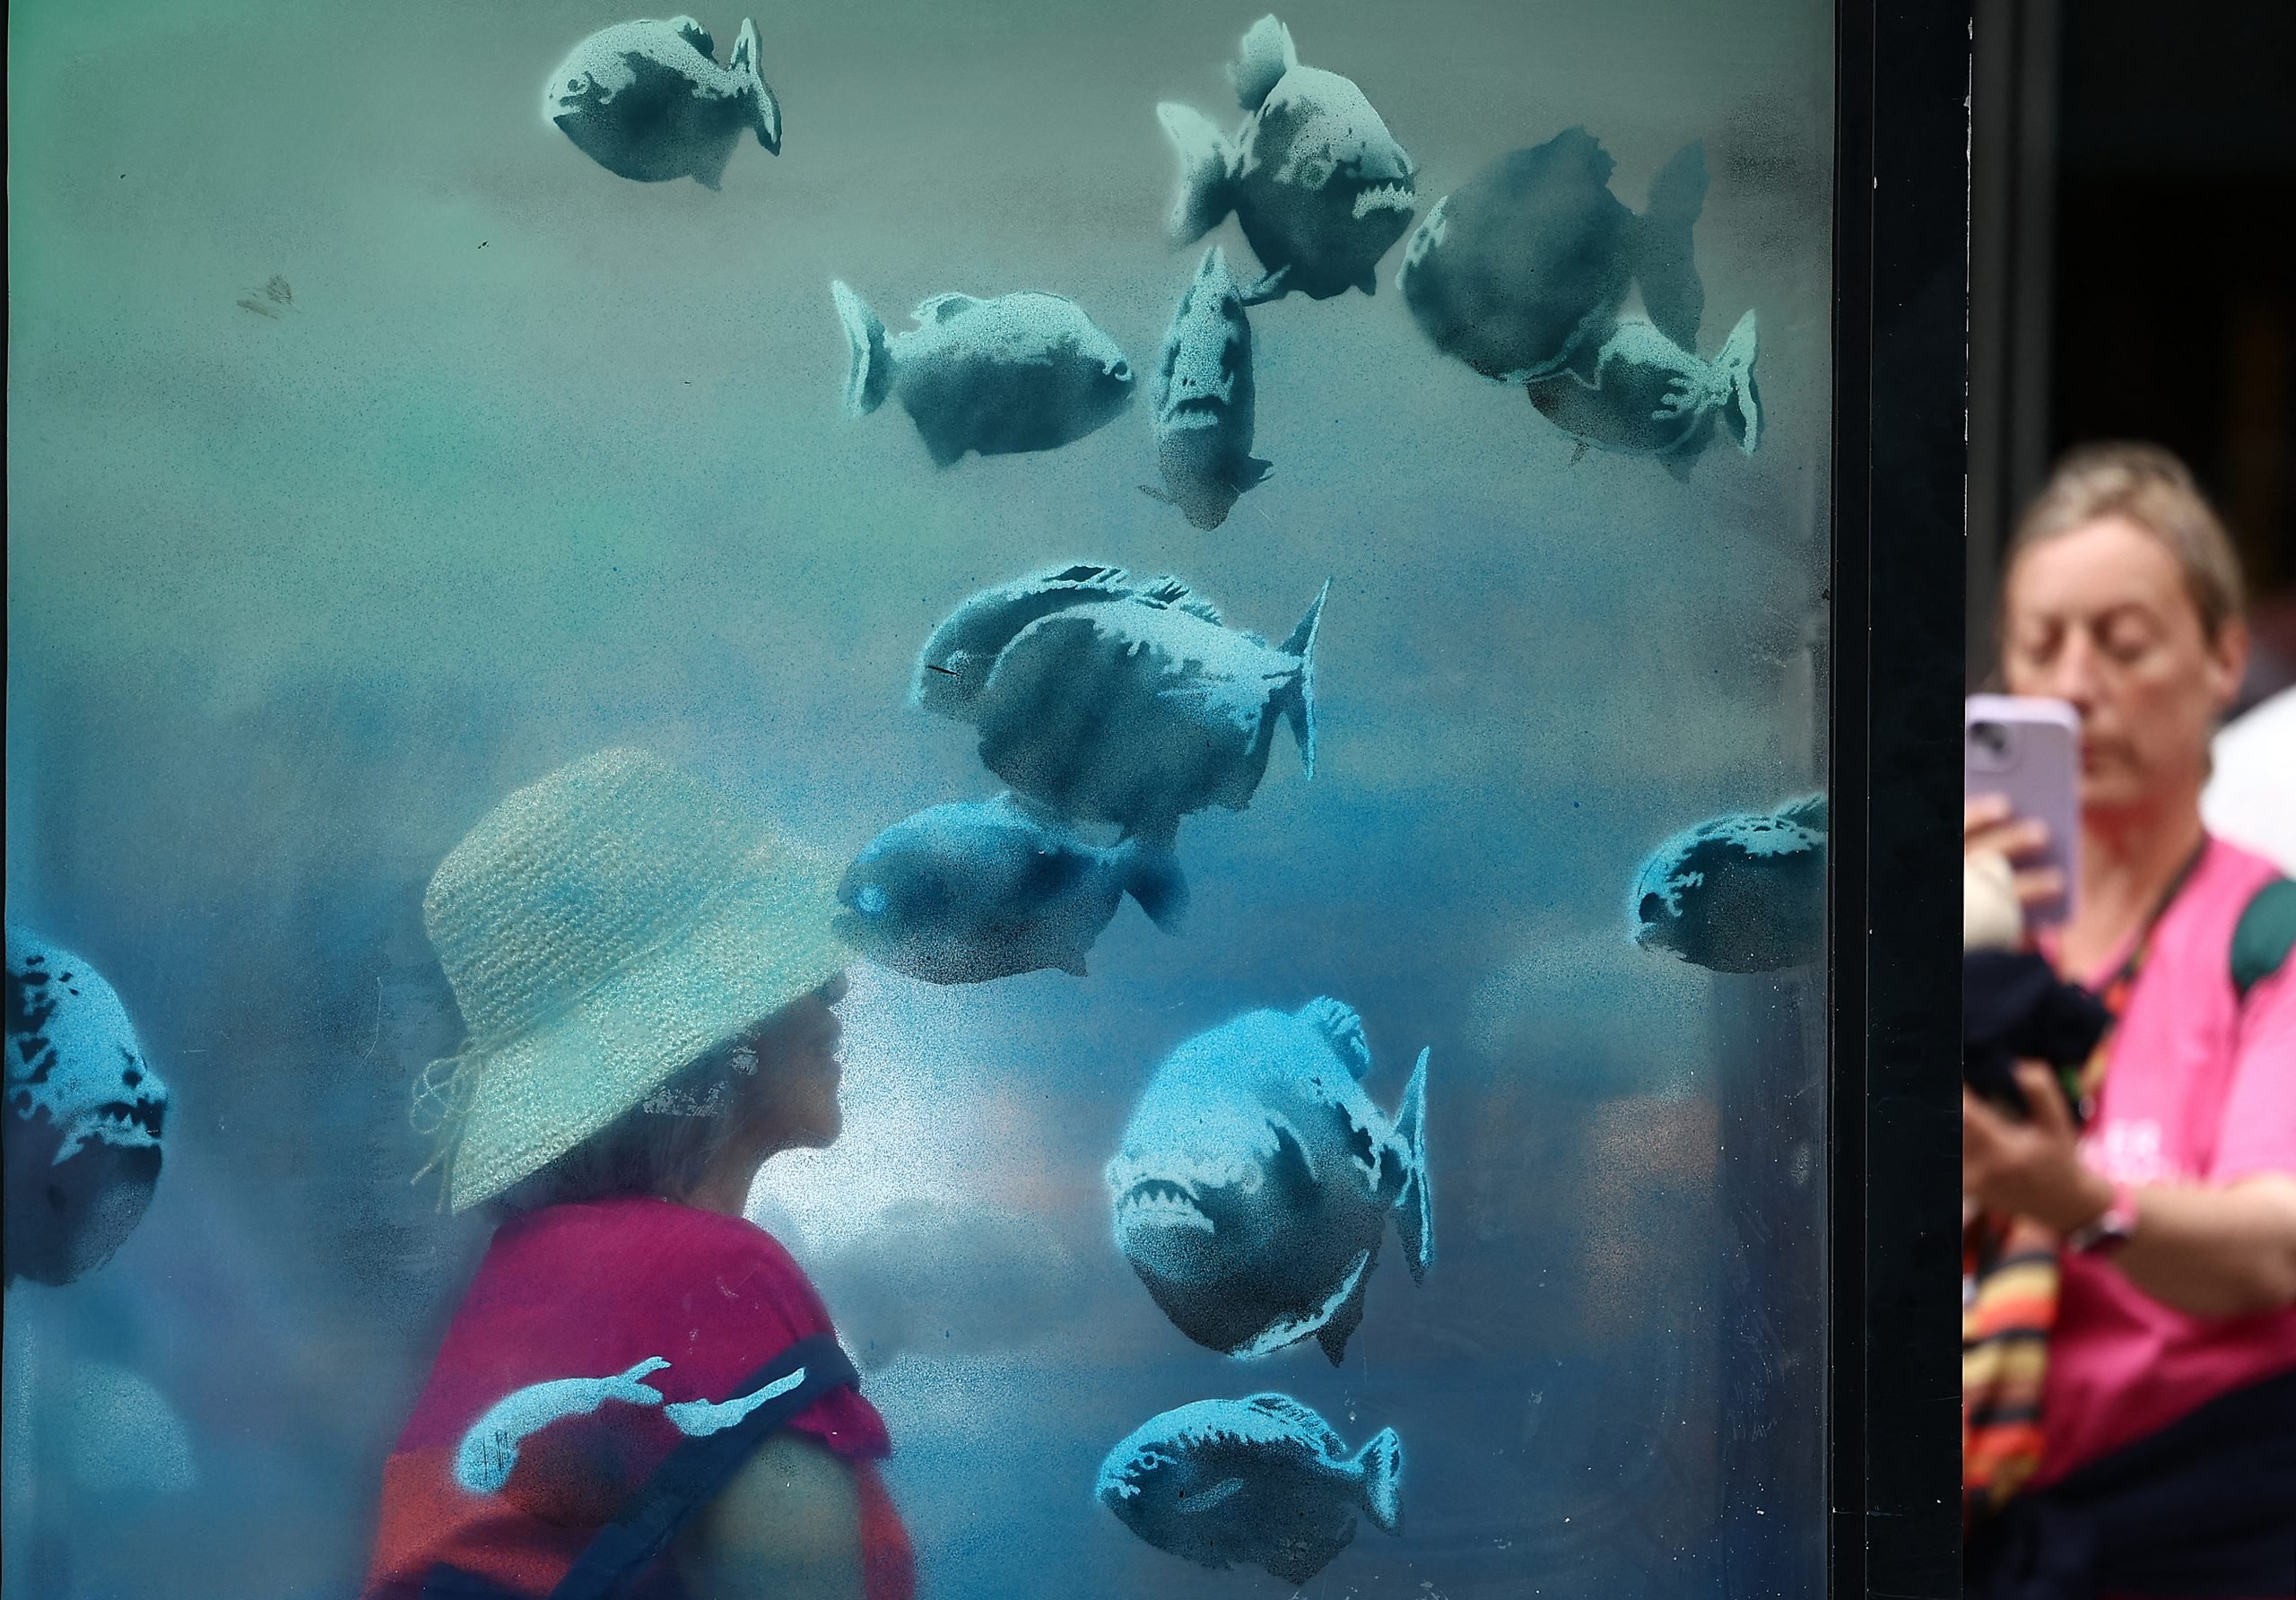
(539, 459)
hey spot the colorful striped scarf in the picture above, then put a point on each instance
(2010, 1277)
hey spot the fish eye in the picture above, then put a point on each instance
(575, 83)
(1121, 371)
(871, 900)
(1653, 908)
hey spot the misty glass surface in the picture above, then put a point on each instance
(372, 451)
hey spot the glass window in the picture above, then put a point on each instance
(1359, 483)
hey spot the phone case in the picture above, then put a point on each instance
(2029, 749)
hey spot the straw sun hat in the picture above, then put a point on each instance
(602, 928)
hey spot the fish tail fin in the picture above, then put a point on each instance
(1153, 876)
(1415, 1206)
(1265, 54)
(1298, 696)
(1207, 161)
(1382, 1464)
(765, 111)
(1742, 411)
(1672, 294)
(870, 379)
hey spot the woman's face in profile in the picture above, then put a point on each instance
(2102, 616)
(799, 1069)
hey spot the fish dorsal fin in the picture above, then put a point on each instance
(1343, 1028)
(1292, 1413)
(696, 35)
(940, 308)
(1173, 594)
(1084, 572)
(1808, 811)
(1265, 54)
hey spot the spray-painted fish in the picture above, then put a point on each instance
(1523, 267)
(1255, 1179)
(85, 1114)
(647, 99)
(968, 893)
(1137, 710)
(1204, 399)
(1317, 184)
(1642, 394)
(1738, 893)
(1264, 1482)
(1020, 372)
(489, 1452)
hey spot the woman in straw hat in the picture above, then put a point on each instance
(647, 978)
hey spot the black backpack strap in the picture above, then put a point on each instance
(697, 1469)
(2264, 934)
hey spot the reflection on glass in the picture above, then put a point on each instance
(547, 508)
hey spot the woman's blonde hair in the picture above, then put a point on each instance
(2153, 488)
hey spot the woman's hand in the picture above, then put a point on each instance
(1990, 825)
(2033, 1168)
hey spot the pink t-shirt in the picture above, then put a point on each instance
(2200, 1088)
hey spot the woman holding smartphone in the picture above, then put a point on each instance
(2130, 1357)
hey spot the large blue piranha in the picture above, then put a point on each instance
(1110, 702)
(647, 101)
(1641, 394)
(1744, 892)
(1255, 1179)
(1525, 265)
(1205, 401)
(85, 1115)
(982, 890)
(1261, 1482)
(1317, 184)
(1021, 373)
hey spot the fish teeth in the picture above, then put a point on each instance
(1387, 196)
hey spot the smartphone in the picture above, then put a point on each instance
(2029, 750)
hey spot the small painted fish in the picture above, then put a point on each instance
(1021, 373)
(1317, 183)
(1738, 893)
(968, 893)
(1255, 1179)
(1525, 263)
(1642, 394)
(86, 1116)
(489, 1452)
(1262, 1481)
(1204, 399)
(1136, 710)
(647, 99)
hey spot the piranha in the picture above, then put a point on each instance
(1642, 394)
(1204, 399)
(1317, 184)
(647, 99)
(1135, 710)
(1256, 1179)
(1021, 373)
(1744, 892)
(967, 893)
(1263, 1481)
(86, 1116)
(1525, 265)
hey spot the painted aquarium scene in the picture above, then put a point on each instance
(917, 802)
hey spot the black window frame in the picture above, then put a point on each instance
(1899, 623)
